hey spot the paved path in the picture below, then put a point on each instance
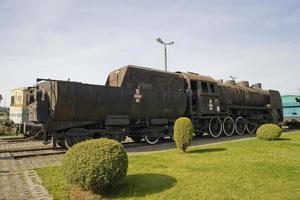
(18, 180)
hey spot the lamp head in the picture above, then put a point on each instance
(160, 40)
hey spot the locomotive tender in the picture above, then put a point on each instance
(144, 103)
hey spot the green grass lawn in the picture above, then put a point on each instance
(250, 169)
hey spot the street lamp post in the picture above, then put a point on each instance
(165, 48)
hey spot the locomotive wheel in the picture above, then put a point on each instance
(228, 126)
(251, 127)
(240, 125)
(151, 139)
(215, 127)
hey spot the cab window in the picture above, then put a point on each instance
(212, 88)
(204, 87)
(19, 100)
(27, 100)
(12, 100)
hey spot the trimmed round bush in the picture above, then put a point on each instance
(183, 133)
(95, 164)
(268, 132)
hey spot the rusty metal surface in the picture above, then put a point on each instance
(85, 102)
(275, 101)
(243, 96)
(198, 77)
(145, 78)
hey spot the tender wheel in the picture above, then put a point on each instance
(69, 142)
(251, 126)
(215, 127)
(228, 126)
(151, 139)
(240, 125)
(61, 143)
(76, 135)
(136, 138)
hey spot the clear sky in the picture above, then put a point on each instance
(255, 40)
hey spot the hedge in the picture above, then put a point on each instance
(268, 132)
(183, 133)
(95, 164)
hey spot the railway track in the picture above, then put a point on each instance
(24, 149)
(18, 153)
(23, 153)
(16, 140)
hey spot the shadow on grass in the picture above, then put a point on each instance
(281, 139)
(206, 150)
(139, 185)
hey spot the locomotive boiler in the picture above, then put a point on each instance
(144, 103)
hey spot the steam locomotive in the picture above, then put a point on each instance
(143, 103)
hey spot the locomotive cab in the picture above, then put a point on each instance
(204, 95)
(209, 98)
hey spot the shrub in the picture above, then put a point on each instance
(183, 133)
(95, 164)
(268, 132)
